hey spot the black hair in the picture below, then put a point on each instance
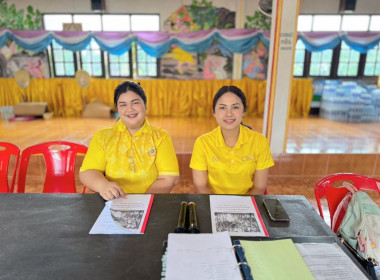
(129, 86)
(235, 90)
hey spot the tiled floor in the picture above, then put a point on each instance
(310, 135)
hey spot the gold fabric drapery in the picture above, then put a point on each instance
(172, 98)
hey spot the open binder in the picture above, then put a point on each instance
(204, 256)
(242, 261)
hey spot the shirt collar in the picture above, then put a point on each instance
(146, 128)
(220, 140)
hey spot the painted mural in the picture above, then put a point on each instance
(255, 62)
(215, 62)
(13, 58)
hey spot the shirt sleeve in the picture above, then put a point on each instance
(264, 159)
(166, 159)
(95, 157)
(198, 158)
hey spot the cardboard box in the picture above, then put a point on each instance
(30, 108)
(97, 109)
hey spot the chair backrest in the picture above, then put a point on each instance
(60, 157)
(335, 193)
(6, 151)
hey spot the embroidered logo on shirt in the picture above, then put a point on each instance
(247, 158)
(152, 152)
(215, 159)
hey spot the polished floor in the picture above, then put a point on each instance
(315, 147)
(310, 135)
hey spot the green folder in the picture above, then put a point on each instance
(277, 260)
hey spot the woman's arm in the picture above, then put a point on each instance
(201, 181)
(163, 184)
(95, 180)
(260, 181)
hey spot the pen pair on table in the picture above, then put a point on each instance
(187, 219)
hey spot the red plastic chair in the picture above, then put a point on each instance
(334, 195)
(6, 151)
(60, 157)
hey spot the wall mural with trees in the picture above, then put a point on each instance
(13, 57)
(216, 62)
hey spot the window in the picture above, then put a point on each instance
(145, 23)
(93, 59)
(355, 23)
(299, 59)
(89, 22)
(116, 23)
(326, 23)
(64, 62)
(320, 64)
(348, 61)
(375, 23)
(305, 23)
(146, 64)
(342, 61)
(55, 22)
(120, 65)
(372, 63)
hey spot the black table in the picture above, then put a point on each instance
(45, 236)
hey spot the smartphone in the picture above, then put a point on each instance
(275, 210)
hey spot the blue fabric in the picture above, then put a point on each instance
(313, 48)
(4, 39)
(198, 47)
(158, 44)
(75, 47)
(362, 48)
(155, 51)
(37, 47)
(239, 46)
(118, 49)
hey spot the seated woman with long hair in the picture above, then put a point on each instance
(232, 158)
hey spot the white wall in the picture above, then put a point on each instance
(162, 7)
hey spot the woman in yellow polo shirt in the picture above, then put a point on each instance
(232, 158)
(131, 156)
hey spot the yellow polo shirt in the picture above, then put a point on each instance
(231, 170)
(134, 162)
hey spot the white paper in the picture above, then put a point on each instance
(201, 256)
(328, 261)
(235, 214)
(123, 215)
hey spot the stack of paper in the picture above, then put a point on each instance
(124, 215)
(236, 214)
(201, 256)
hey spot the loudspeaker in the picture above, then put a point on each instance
(347, 5)
(97, 5)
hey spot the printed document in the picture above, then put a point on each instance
(201, 256)
(238, 215)
(124, 215)
(328, 261)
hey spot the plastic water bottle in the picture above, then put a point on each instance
(376, 103)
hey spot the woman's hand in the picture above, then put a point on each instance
(95, 180)
(111, 190)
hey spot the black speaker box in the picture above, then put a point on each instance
(97, 5)
(347, 5)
